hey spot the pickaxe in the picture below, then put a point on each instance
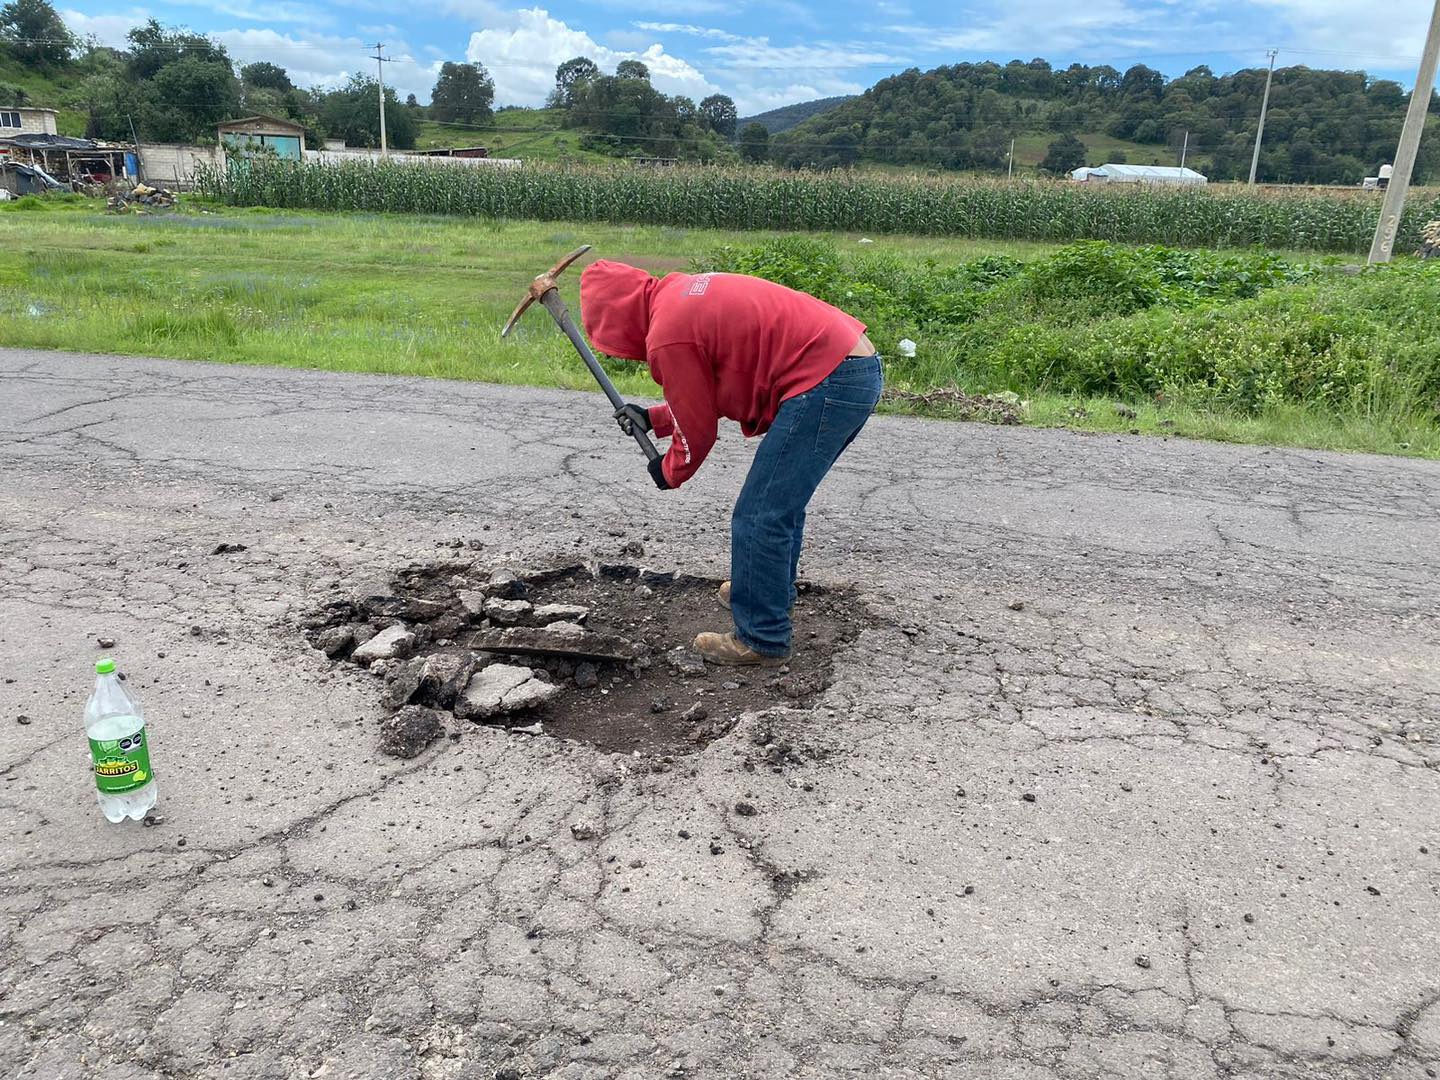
(544, 289)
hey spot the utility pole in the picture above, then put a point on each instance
(1010, 172)
(1394, 205)
(380, 62)
(1184, 149)
(1264, 107)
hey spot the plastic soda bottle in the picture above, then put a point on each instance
(119, 747)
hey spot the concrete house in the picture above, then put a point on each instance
(283, 137)
(23, 120)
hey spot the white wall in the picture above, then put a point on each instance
(340, 157)
(172, 165)
(32, 122)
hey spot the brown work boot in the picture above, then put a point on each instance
(730, 650)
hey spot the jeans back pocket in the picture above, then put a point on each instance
(841, 419)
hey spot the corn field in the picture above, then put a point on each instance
(708, 197)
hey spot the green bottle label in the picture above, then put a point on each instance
(122, 765)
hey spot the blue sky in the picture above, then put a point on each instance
(766, 53)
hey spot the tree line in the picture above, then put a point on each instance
(173, 85)
(624, 115)
(1322, 126)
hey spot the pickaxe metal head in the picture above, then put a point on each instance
(542, 284)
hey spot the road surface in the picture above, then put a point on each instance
(1134, 774)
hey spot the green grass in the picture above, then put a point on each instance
(415, 295)
(45, 92)
(1030, 149)
(528, 134)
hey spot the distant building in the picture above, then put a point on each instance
(23, 120)
(453, 151)
(1139, 174)
(284, 138)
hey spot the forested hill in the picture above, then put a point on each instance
(787, 116)
(1323, 126)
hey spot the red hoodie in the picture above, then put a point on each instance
(718, 344)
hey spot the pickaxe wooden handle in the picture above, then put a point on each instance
(544, 289)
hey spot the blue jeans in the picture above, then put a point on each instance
(810, 432)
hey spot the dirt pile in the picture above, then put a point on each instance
(599, 654)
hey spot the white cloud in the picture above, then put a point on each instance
(275, 11)
(759, 54)
(106, 29)
(314, 59)
(523, 52)
(691, 29)
(1317, 29)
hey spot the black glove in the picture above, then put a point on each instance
(632, 418)
(658, 474)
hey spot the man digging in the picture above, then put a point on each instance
(784, 365)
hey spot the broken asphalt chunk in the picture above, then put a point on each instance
(502, 688)
(558, 639)
(391, 643)
(409, 731)
(507, 612)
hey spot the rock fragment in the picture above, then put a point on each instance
(505, 585)
(401, 683)
(409, 731)
(377, 597)
(558, 639)
(391, 643)
(424, 610)
(587, 676)
(685, 663)
(335, 640)
(444, 676)
(553, 613)
(530, 695)
(507, 612)
(502, 688)
(584, 830)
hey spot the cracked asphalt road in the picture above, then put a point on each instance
(1134, 776)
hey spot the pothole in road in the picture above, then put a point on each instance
(599, 654)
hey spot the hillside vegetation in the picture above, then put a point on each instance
(1323, 126)
(530, 134)
(787, 116)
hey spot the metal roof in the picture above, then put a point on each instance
(36, 141)
(260, 118)
(1147, 172)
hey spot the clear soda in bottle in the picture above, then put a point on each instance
(119, 748)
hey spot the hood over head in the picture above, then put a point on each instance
(615, 307)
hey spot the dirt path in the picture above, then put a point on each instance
(1130, 771)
